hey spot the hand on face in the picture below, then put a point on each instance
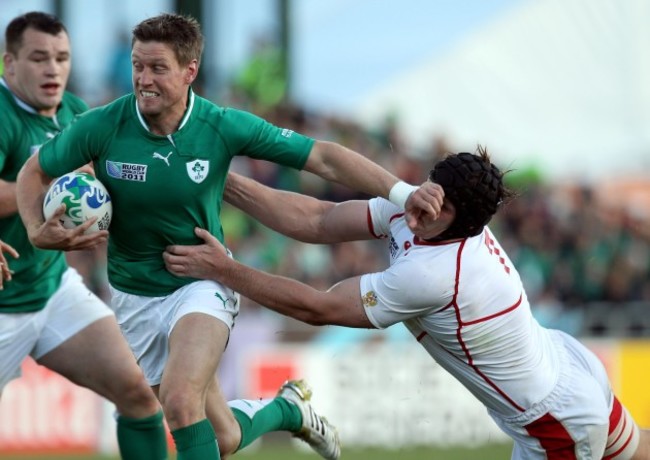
(202, 261)
(423, 211)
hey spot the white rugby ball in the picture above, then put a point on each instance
(84, 197)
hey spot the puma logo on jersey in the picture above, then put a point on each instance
(160, 157)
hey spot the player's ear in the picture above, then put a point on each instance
(8, 63)
(191, 72)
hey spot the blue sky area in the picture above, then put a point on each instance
(342, 48)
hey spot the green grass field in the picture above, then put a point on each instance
(491, 452)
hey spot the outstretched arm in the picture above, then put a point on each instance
(340, 305)
(337, 163)
(297, 216)
(308, 219)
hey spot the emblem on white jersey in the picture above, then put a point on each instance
(164, 158)
(126, 171)
(198, 170)
(369, 299)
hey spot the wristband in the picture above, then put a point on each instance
(400, 192)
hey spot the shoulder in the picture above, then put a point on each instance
(241, 118)
(74, 103)
(5, 96)
(11, 120)
(228, 122)
(207, 109)
(111, 114)
(381, 214)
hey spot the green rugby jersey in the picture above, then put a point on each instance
(37, 273)
(162, 187)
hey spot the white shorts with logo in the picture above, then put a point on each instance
(580, 419)
(72, 308)
(147, 322)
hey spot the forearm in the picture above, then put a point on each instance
(340, 305)
(283, 295)
(337, 163)
(294, 215)
(8, 205)
(31, 186)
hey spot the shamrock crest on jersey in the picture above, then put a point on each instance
(198, 170)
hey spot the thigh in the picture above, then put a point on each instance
(203, 316)
(71, 309)
(148, 324)
(196, 345)
(572, 422)
(18, 336)
(144, 324)
(98, 358)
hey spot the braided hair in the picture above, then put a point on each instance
(474, 186)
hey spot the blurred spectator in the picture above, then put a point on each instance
(578, 255)
(119, 70)
(263, 79)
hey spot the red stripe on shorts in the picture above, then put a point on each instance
(615, 415)
(614, 420)
(553, 437)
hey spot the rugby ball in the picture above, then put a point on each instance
(84, 197)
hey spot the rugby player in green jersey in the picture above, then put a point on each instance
(46, 311)
(163, 153)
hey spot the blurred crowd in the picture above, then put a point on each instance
(584, 261)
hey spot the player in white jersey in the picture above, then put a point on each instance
(460, 296)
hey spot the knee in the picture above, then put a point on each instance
(182, 406)
(134, 398)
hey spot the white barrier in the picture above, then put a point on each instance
(384, 395)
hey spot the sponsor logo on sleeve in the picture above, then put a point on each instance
(126, 171)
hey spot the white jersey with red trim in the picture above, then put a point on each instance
(465, 303)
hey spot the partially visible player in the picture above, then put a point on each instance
(46, 311)
(458, 293)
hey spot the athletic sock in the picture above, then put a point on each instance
(142, 438)
(196, 442)
(257, 417)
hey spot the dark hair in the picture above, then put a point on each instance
(37, 20)
(474, 186)
(182, 33)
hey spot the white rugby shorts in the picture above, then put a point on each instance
(72, 308)
(147, 322)
(580, 419)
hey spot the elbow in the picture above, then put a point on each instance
(316, 321)
(316, 317)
